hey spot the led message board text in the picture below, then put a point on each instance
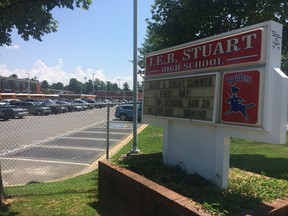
(188, 98)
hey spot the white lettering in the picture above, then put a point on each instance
(248, 39)
(232, 45)
(170, 58)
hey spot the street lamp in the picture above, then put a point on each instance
(93, 83)
(85, 83)
(135, 149)
(28, 83)
(119, 80)
(81, 89)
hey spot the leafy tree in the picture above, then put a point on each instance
(32, 18)
(109, 86)
(44, 84)
(58, 85)
(13, 76)
(74, 85)
(140, 86)
(126, 86)
(179, 21)
(115, 87)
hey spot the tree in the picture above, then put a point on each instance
(32, 18)
(58, 85)
(180, 21)
(126, 86)
(2, 193)
(115, 87)
(140, 86)
(44, 84)
(74, 85)
(14, 76)
(109, 86)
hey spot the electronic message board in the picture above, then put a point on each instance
(187, 98)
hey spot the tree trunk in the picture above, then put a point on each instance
(2, 194)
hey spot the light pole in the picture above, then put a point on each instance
(28, 83)
(135, 149)
(119, 80)
(123, 92)
(81, 89)
(84, 83)
(93, 83)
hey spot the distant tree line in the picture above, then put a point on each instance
(85, 87)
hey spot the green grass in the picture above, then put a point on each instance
(78, 196)
(245, 189)
(262, 158)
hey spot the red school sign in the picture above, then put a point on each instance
(232, 50)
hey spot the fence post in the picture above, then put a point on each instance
(108, 131)
(2, 194)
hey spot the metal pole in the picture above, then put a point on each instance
(108, 132)
(2, 194)
(28, 83)
(93, 84)
(135, 86)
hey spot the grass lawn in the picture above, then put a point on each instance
(78, 196)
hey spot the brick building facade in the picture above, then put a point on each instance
(15, 85)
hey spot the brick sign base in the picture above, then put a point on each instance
(124, 192)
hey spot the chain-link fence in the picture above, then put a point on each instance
(42, 148)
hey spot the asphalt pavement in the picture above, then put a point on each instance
(62, 156)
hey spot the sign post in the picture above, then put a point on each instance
(204, 92)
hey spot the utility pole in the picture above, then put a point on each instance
(119, 80)
(28, 83)
(135, 149)
(93, 83)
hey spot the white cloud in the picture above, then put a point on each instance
(53, 74)
(15, 46)
(128, 79)
(56, 73)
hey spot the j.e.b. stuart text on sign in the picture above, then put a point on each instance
(235, 49)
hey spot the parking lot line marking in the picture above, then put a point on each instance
(103, 132)
(72, 148)
(86, 138)
(46, 161)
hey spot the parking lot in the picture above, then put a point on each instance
(48, 148)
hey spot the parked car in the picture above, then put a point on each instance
(3, 116)
(10, 101)
(55, 108)
(83, 103)
(69, 106)
(14, 111)
(125, 112)
(34, 108)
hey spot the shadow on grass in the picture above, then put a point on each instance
(192, 186)
(100, 209)
(256, 163)
(5, 210)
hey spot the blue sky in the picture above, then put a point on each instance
(98, 41)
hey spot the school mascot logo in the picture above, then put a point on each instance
(240, 97)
